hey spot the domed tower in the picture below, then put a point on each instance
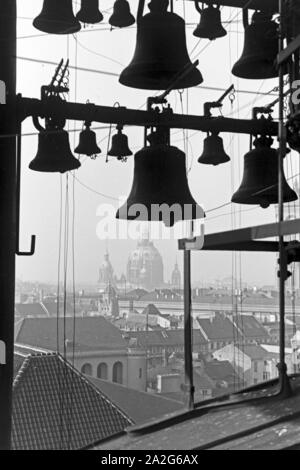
(176, 277)
(145, 265)
(106, 273)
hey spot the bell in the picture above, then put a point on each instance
(293, 132)
(260, 49)
(119, 146)
(121, 16)
(54, 153)
(213, 152)
(260, 180)
(210, 26)
(160, 190)
(57, 17)
(87, 142)
(89, 12)
(161, 54)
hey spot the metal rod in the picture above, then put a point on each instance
(188, 340)
(229, 90)
(179, 77)
(285, 387)
(8, 21)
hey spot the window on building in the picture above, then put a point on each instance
(118, 372)
(140, 373)
(255, 366)
(102, 371)
(87, 369)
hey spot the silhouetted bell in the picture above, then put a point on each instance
(57, 17)
(210, 26)
(119, 146)
(161, 53)
(260, 49)
(89, 12)
(160, 190)
(260, 180)
(213, 152)
(54, 153)
(87, 142)
(121, 17)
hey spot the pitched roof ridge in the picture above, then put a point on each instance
(44, 308)
(20, 373)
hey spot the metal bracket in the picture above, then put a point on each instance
(18, 198)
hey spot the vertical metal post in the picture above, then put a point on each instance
(285, 387)
(188, 339)
(8, 129)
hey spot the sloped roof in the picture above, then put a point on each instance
(255, 352)
(91, 333)
(250, 327)
(218, 328)
(151, 309)
(165, 338)
(140, 406)
(220, 371)
(55, 407)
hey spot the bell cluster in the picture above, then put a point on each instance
(161, 62)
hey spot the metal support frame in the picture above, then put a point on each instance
(263, 5)
(112, 115)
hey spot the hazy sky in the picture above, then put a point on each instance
(101, 49)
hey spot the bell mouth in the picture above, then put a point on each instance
(118, 21)
(255, 70)
(97, 18)
(56, 27)
(147, 78)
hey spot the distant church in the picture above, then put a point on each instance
(145, 270)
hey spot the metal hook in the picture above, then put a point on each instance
(18, 189)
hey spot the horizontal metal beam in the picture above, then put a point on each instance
(263, 5)
(131, 117)
(244, 239)
(289, 51)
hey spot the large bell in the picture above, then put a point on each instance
(260, 180)
(57, 17)
(160, 190)
(121, 17)
(213, 151)
(87, 142)
(119, 145)
(89, 12)
(54, 153)
(260, 49)
(161, 53)
(210, 26)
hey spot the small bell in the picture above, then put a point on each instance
(213, 152)
(160, 190)
(161, 53)
(260, 180)
(210, 26)
(121, 17)
(260, 49)
(57, 17)
(119, 146)
(54, 153)
(89, 12)
(88, 142)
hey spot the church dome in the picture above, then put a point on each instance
(145, 266)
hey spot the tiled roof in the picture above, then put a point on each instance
(140, 406)
(255, 352)
(218, 328)
(250, 327)
(92, 333)
(220, 371)
(55, 407)
(165, 338)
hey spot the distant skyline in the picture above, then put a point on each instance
(100, 49)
